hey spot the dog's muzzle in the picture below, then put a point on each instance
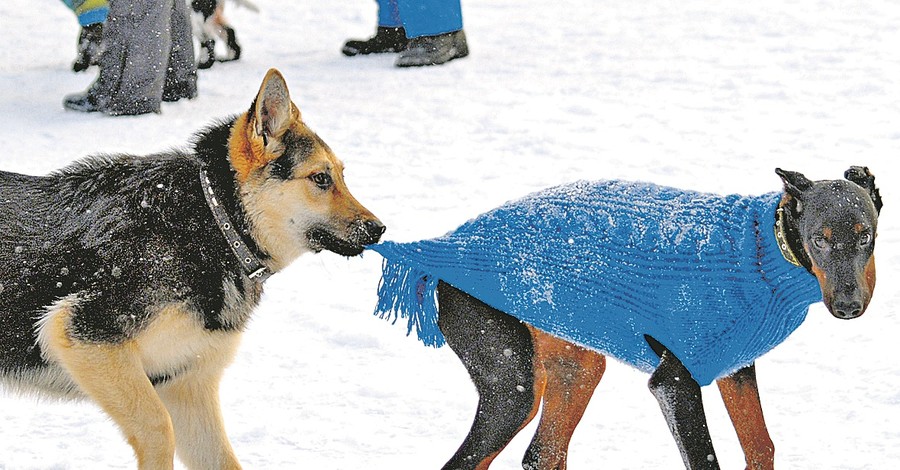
(361, 233)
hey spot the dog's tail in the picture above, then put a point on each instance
(405, 291)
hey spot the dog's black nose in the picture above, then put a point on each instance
(847, 310)
(375, 227)
(374, 230)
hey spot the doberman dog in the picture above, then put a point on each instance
(827, 227)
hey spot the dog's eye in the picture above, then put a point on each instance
(865, 238)
(322, 180)
(820, 242)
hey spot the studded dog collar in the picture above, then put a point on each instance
(781, 237)
(252, 266)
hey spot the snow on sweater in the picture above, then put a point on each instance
(601, 264)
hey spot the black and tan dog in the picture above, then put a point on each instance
(829, 234)
(128, 280)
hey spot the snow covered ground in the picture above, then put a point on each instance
(699, 94)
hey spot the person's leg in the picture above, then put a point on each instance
(389, 36)
(133, 68)
(181, 74)
(434, 28)
(388, 14)
(98, 94)
(145, 60)
(430, 17)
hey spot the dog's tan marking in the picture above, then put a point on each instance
(182, 412)
(281, 212)
(112, 375)
(742, 402)
(869, 274)
(572, 373)
(193, 403)
(827, 232)
(822, 277)
(176, 344)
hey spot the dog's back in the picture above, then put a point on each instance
(22, 199)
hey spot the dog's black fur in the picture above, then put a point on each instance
(830, 226)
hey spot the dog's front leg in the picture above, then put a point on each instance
(112, 375)
(192, 398)
(741, 396)
(679, 398)
(199, 430)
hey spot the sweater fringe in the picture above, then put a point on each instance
(409, 293)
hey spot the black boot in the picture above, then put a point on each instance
(90, 46)
(177, 91)
(83, 102)
(384, 40)
(434, 50)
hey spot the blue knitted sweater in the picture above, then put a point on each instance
(602, 264)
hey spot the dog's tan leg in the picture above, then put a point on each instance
(199, 429)
(741, 395)
(112, 375)
(572, 374)
(192, 399)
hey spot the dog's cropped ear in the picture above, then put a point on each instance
(794, 183)
(273, 110)
(863, 177)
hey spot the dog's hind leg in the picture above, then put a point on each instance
(112, 375)
(741, 396)
(497, 351)
(192, 399)
(572, 375)
(679, 398)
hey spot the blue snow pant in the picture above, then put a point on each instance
(421, 17)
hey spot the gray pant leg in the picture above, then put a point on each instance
(182, 69)
(133, 67)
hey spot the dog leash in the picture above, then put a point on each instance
(253, 267)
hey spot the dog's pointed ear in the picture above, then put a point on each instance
(273, 110)
(864, 178)
(794, 183)
(256, 138)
